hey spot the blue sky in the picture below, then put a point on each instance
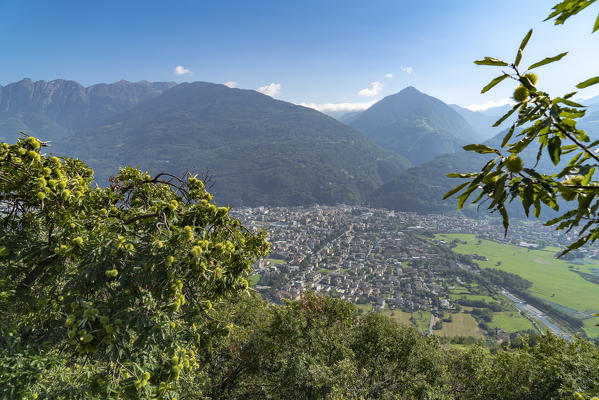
(312, 52)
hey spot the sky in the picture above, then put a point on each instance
(330, 55)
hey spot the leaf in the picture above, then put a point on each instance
(494, 82)
(506, 116)
(508, 136)
(588, 82)
(499, 190)
(521, 144)
(491, 61)
(479, 148)
(572, 103)
(464, 196)
(588, 176)
(575, 245)
(537, 207)
(567, 96)
(505, 219)
(548, 200)
(528, 197)
(522, 46)
(518, 58)
(555, 149)
(460, 175)
(548, 60)
(455, 190)
(596, 27)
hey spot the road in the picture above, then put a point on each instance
(522, 306)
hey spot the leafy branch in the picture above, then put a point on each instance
(551, 123)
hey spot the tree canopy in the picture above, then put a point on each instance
(117, 282)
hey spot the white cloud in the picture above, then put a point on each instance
(270, 90)
(389, 76)
(408, 70)
(372, 90)
(230, 84)
(179, 70)
(490, 104)
(339, 107)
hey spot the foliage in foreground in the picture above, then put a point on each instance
(138, 291)
(320, 348)
(116, 283)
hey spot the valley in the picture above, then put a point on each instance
(395, 247)
(409, 266)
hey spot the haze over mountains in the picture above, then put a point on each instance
(258, 150)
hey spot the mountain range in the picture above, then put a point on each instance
(58, 108)
(422, 187)
(259, 150)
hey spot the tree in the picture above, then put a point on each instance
(109, 292)
(552, 124)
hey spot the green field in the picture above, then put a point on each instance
(364, 307)
(276, 261)
(422, 320)
(488, 299)
(510, 321)
(460, 290)
(462, 325)
(551, 278)
(398, 315)
(254, 279)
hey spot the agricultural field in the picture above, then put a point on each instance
(422, 320)
(510, 321)
(455, 296)
(399, 316)
(254, 279)
(462, 325)
(276, 261)
(552, 278)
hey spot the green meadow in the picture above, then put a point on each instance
(552, 279)
(422, 320)
(254, 279)
(510, 321)
(462, 324)
(276, 261)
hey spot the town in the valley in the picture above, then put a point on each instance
(386, 259)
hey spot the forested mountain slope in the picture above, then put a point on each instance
(415, 125)
(258, 150)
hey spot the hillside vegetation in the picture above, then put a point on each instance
(415, 125)
(258, 150)
(139, 291)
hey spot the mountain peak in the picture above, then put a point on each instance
(409, 89)
(415, 125)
